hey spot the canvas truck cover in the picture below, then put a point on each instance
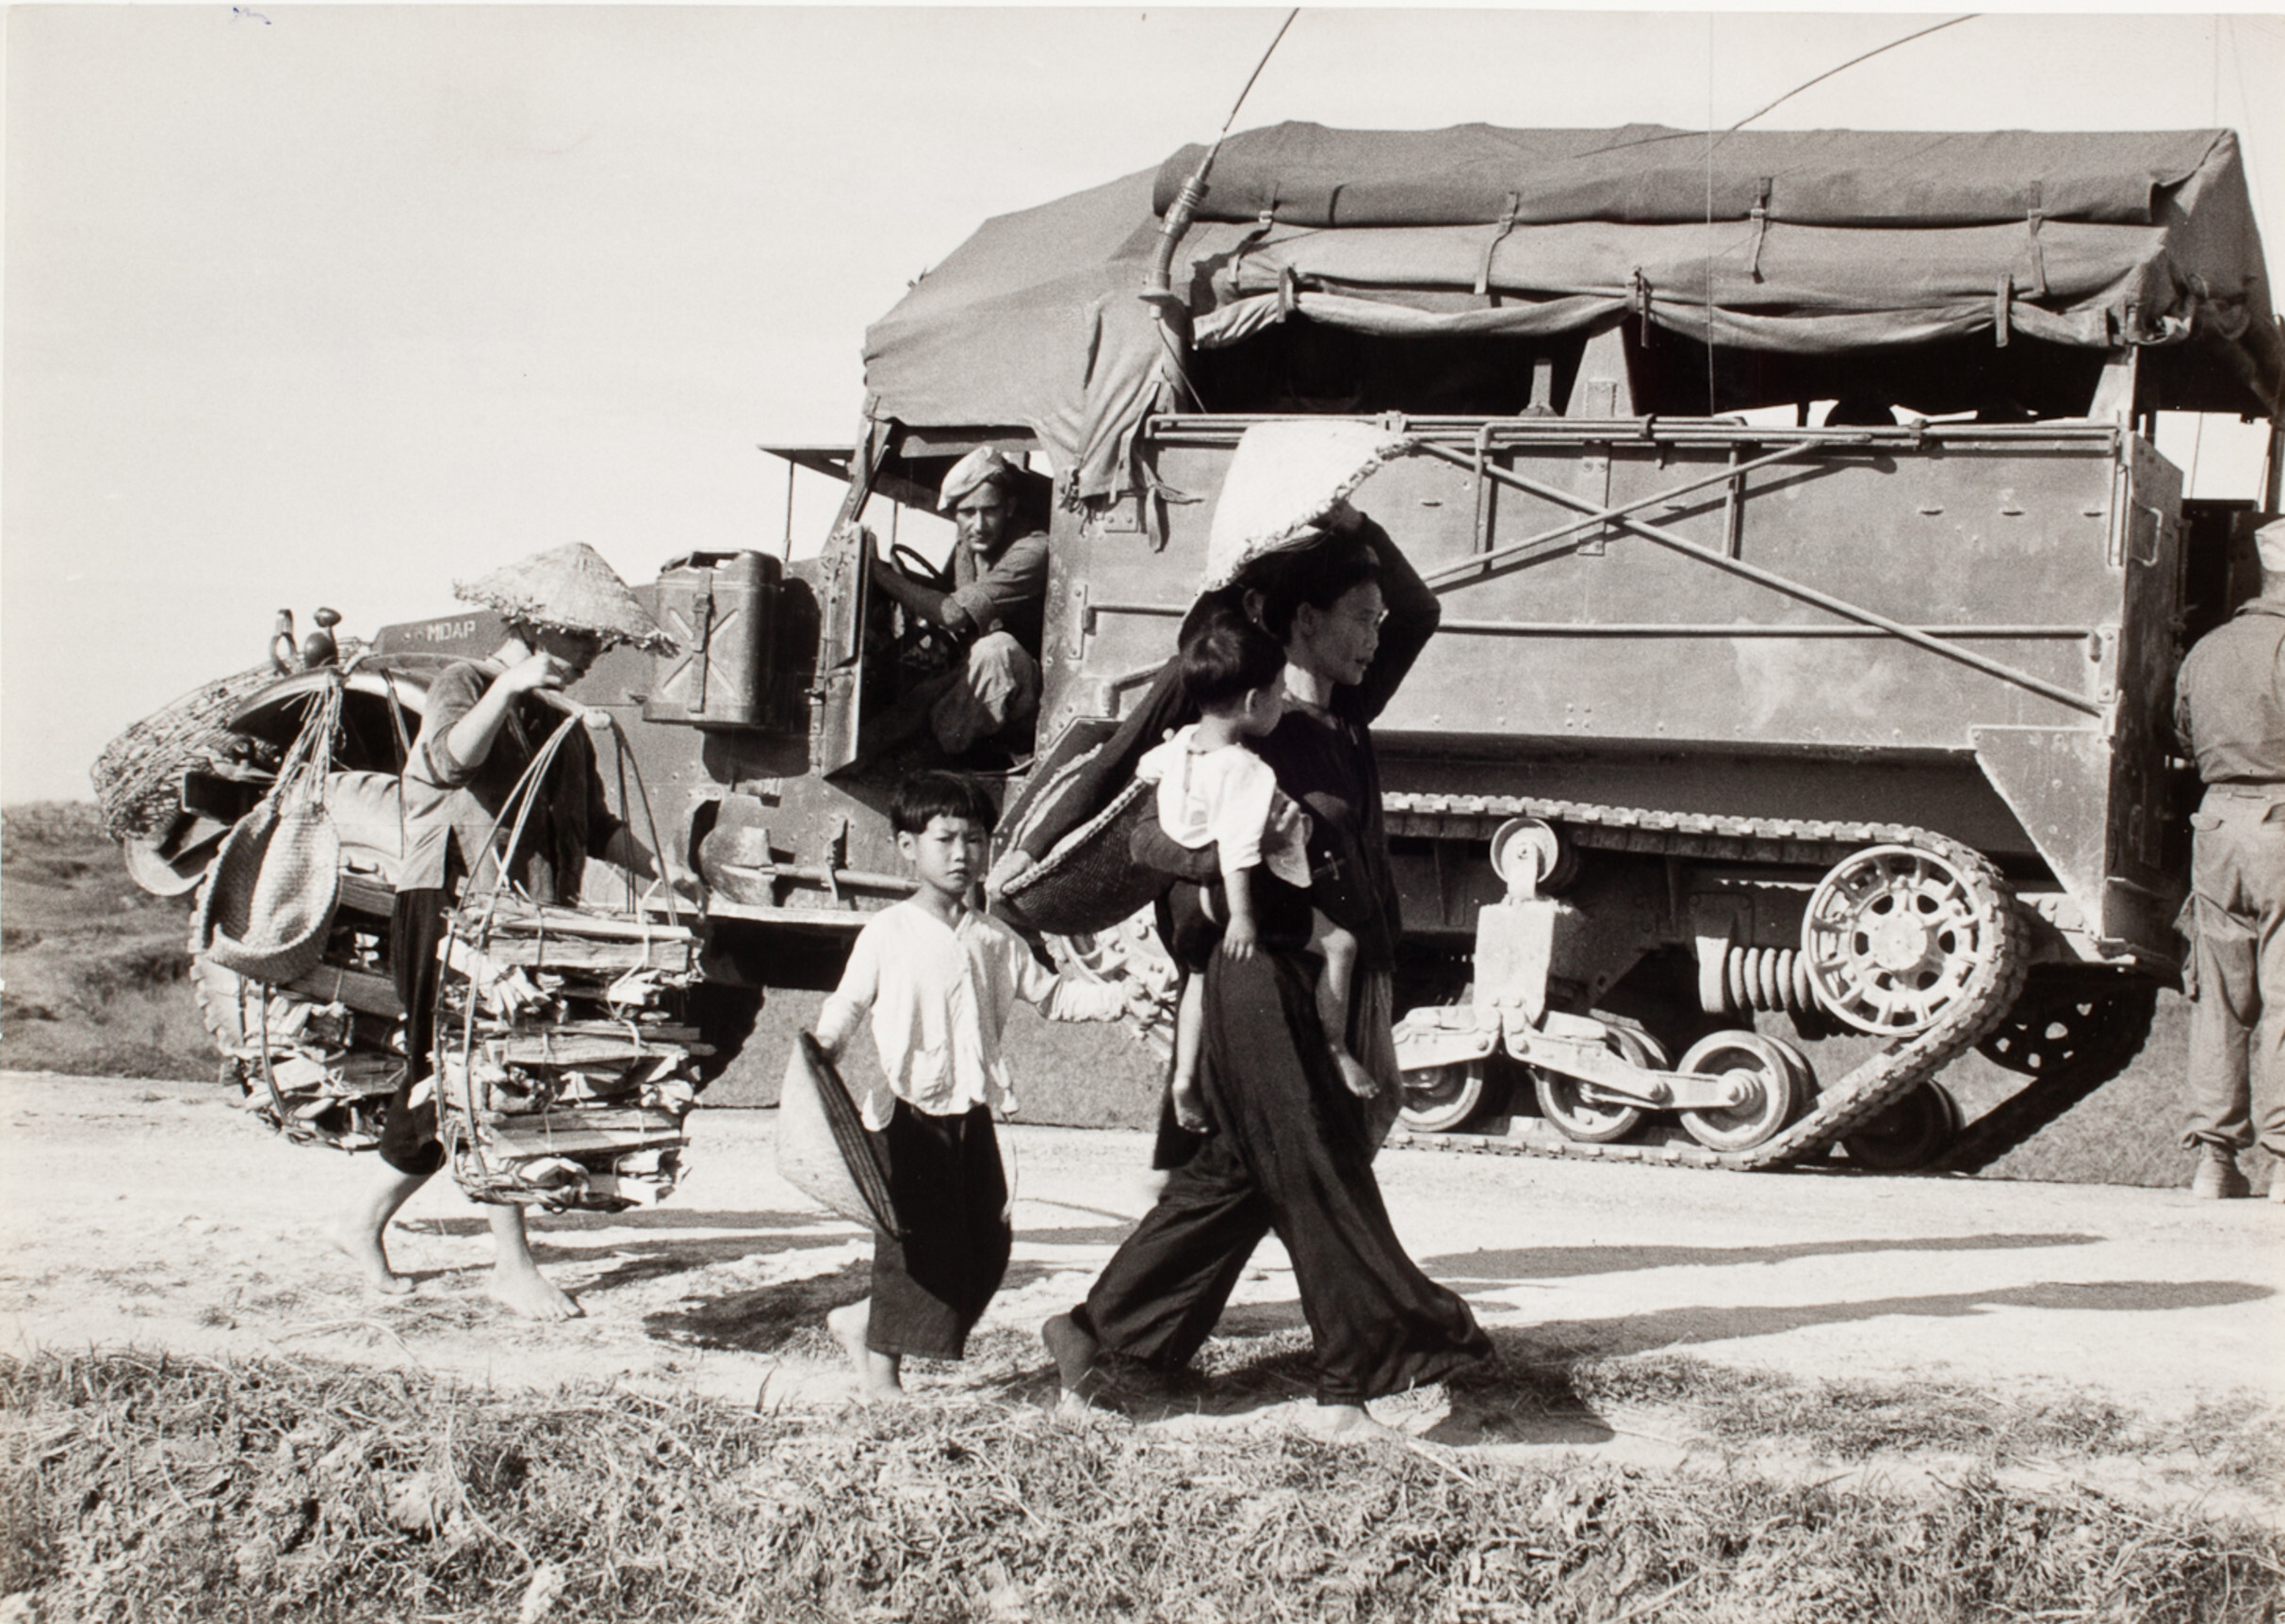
(1820, 242)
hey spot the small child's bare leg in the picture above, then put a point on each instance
(1189, 1038)
(879, 1376)
(1340, 950)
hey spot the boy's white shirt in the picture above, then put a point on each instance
(939, 996)
(1227, 797)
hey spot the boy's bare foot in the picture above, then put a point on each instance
(525, 1290)
(878, 1380)
(1342, 1423)
(1188, 1112)
(365, 1250)
(1075, 1353)
(1358, 1081)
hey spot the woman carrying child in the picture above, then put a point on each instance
(1291, 1147)
(1214, 794)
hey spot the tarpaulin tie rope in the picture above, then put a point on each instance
(1761, 216)
(2031, 223)
(1263, 222)
(1638, 294)
(1499, 233)
(2001, 309)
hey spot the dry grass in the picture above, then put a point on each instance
(94, 966)
(138, 1486)
(2237, 1439)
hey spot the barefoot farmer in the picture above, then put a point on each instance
(483, 724)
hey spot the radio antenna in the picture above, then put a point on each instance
(1158, 288)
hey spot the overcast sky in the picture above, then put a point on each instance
(333, 305)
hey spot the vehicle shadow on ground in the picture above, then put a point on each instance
(1682, 1327)
(1460, 1270)
(631, 1262)
(764, 1234)
(764, 1319)
(1530, 1393)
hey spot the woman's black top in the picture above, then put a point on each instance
(1324, 759)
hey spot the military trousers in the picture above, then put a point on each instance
(2237, 1021)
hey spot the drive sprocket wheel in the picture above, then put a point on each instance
(1895, 935)
(2070, 1036)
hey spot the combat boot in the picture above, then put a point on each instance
(2217, 1178)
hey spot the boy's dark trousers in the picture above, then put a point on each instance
(931, 1288)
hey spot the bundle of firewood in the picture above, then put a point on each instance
(563, 1074)
(317, 1056)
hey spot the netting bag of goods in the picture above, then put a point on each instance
(565, 1066)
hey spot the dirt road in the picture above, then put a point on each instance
(161, 1216)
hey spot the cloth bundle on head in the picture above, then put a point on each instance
(1283, 479)
(983, 462)
(2269, 543)
(567, 589)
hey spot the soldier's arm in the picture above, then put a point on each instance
(935, 608)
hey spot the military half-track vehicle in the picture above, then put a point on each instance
(1812, 590)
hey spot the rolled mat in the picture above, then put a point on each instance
(1090, 880)
(823, 1148)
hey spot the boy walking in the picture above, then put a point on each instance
(938, 979)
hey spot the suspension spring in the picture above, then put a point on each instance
(1772, 979)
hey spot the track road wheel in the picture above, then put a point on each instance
(1439, 1099)
(1907, 1136)
(1563, 1101)
(1772, 1074)
(1894, 935)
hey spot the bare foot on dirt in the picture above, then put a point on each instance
(525, 1290)
(1342, 1423)
(365, 1250)
(878, 1380)
(1358, 1081)
(1074, 1353)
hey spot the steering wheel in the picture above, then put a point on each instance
(913, 568)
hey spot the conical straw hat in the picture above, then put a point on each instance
(567, 589)
(1283, 477)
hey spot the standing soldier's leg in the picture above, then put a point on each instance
(2219, 1122)
(2265, 880)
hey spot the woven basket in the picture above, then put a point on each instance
(823, 1148)
(269, 899)
(1090, 880)
(268, 902)
(138, 777)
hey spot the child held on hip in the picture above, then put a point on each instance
(1212, 790)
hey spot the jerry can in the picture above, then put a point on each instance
(720, 608)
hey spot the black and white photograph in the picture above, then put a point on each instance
(1055, 813)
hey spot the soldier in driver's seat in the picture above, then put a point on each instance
(990, 695)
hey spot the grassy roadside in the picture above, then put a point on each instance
(94, 964)
(145, 1486)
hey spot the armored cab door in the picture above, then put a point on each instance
(844, 590)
